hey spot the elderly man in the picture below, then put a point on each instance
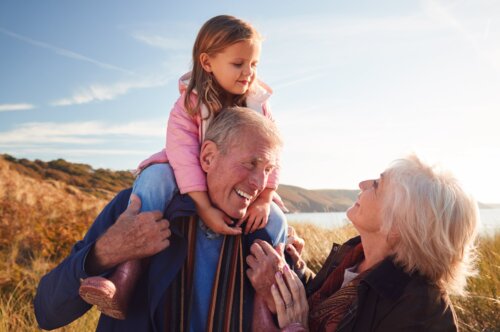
(193, 278)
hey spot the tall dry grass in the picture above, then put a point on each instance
(40, 220)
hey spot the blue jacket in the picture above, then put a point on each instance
(57, 302)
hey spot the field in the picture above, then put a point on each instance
(40, 220)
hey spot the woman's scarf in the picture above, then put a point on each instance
(329, 304)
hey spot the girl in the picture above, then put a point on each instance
(225, 57)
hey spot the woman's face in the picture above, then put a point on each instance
(366, 213)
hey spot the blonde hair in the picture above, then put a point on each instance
(229, 124)
(434, 221)
(215, 35)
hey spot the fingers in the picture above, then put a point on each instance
(227, 220)
(134, 205)
(294, 254)
(278, 300)
(286, 295)
(226, 230)
(280, 249)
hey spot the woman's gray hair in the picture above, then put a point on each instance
(229, 124)
(434, 223)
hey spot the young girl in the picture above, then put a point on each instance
(225, 57)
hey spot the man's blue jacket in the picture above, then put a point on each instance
(57, 302)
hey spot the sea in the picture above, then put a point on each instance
(489, 225)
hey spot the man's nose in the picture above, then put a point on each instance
(258, 180)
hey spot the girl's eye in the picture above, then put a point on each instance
(375, 184)
(237, 65)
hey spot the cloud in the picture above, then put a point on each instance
(16, 107)
(164, 43)
(39, 133)
(64, 52)
(99, 92)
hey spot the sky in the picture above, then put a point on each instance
(356, 84)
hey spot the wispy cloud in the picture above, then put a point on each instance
(64, 52)
(78, 132)
(162, 42)
(100, 92)
(16, 107)
(446, 16)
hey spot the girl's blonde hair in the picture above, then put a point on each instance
(215, 35)
(435, 222)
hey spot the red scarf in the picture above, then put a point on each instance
(329, 304)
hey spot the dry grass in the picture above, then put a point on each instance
(40, 220)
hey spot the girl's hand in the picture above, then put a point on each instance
(218, 221)
(256, 216)
(290, 298)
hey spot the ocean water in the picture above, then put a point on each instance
(490, 220)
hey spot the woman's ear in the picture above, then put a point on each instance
(208, 153)
(205, 62)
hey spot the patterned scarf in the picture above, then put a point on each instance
(329, 304)
(231, 302)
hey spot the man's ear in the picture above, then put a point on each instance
(205, 62)
(208, 153)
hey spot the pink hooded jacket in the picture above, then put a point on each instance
(185, 134)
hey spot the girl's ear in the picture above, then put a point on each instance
(205, 62)
(208, 153)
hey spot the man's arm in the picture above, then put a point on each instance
(57, 302)
(119, 234)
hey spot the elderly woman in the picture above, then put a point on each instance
(416, 228)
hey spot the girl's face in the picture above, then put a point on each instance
(235, 67)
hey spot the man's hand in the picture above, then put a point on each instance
(256, 216)
(264, 261)
(133, 236)
(294, 246)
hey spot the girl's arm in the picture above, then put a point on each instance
(183, 149)
(212, 216)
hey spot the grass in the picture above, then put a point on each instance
(40, 221)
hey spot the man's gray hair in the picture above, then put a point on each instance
(229, 124)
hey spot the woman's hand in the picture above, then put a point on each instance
(290, 299)
(264, 261)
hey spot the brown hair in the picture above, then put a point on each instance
(214, 36)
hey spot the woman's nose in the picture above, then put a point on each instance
(364, 184)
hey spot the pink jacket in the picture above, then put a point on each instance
(185, 134)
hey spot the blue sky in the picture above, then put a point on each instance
(356, 83)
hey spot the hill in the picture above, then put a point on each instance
(104, 183)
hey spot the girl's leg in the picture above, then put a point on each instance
(277, 226)
(156, 187)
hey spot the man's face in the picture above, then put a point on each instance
(236, 178)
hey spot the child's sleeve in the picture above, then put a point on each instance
(273, 179)
(183, 149)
